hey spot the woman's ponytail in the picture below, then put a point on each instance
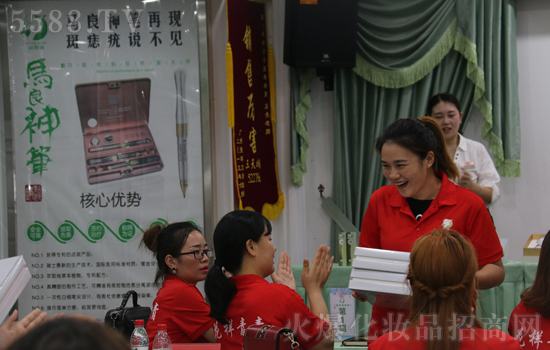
(443, 161)
(219, 290)
(230, 237)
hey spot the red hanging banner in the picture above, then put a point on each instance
(250, 90)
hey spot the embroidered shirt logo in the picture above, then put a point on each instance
(447, 223)
(155, 308)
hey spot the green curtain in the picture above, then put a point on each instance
(362, 112)
(409, 50)
(300, 104)
(402, 41)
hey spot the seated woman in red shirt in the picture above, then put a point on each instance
(244, 249)
(530, 320)
(442, 277)
(182, 257)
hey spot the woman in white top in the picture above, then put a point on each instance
(477, 170)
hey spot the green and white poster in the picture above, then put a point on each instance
(107, 141)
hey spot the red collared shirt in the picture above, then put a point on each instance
(182, 308)
(389, 223)
(262, 303)
(531, 329)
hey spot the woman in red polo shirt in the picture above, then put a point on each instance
(244, 249)
(182, 258)
(530, 320)
(441, 315)
(419, 199)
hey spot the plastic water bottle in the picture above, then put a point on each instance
(139, 339)
(162, 340)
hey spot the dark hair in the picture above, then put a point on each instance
(538, 295)
(166, 240)
(444, 97)
(420, 136)
(230, 237)
(441, 274)
(71, 333)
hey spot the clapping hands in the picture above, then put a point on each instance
(284, 272)
(316, 275)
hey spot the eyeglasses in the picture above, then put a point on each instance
(198, 254)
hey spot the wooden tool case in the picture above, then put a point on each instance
(114, 116)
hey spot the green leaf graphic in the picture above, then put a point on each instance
(51, 233)
(43, 30)
(108, 228)
(135, 224)
(82, 233)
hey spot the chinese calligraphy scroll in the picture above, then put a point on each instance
(250, 82)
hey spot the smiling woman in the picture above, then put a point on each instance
(182, 256)
(245, 250)
(419, 199)
(477, 170)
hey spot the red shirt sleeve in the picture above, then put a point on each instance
(309, 328)
(370, 231)
(190, 314)
(483, 236)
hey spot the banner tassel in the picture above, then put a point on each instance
(230, 87)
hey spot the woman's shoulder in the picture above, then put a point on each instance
(497, 339)
(281, 289)
(396, 340)
(520, 307)
(467, 197)
(173, 289)
(491, 338)
(473, 147)
(384, 193)
(260, 285)
(285, 294)
(522, 310)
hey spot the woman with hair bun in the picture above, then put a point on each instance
(182, 259)
(422, 198)
(442, 277)
(245, 250)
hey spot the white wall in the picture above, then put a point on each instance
(523, 207)
(521, 210)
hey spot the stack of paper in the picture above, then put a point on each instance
(14, 276)
(379, 271)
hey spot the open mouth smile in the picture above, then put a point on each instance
(401, 184)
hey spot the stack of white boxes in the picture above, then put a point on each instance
(14, 276)
(377, 271)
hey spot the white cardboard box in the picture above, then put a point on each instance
(14, 276)
(381, 275)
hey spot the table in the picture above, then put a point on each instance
(495, 304)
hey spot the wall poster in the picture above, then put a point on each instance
(107, 142)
